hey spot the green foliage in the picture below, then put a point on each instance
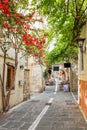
(18, 4)
(65, 20)
(45, 74)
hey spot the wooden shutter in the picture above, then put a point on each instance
(10, 77)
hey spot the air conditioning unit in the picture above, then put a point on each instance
(21, 82)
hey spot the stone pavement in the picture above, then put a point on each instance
(62, 113)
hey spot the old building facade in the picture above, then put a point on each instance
(16, 95)
(29, 77)
(82, 71)
(36, 75)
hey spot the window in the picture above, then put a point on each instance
(10, 77)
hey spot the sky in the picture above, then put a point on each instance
(52, 45)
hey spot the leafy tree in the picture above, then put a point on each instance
(10, 22)
(65, 20)
(16, 27)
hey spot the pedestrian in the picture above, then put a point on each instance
(56, 84)
(65, 80)
(63, 76)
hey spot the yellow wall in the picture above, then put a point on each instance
(83, 75)
(17, 93)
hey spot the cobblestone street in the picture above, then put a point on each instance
(45, 111)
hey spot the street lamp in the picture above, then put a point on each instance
(81, 44)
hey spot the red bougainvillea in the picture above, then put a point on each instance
(38, 55)
(28, 39)
(36, 42)
(24, 21)
(5, 24)
(4, 6)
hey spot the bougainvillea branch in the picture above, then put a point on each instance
(4, 7)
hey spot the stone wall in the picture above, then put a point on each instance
(36, 78)
(26, 87)
(73, 80)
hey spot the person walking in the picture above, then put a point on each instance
(65, 80)
(56, 84)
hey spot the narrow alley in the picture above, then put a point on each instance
(45, 111)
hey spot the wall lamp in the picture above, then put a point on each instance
(82, 44)
(21, 67)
